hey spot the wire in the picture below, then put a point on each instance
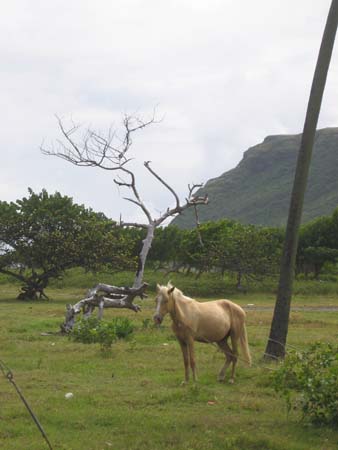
(10, 377)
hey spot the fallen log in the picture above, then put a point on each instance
(103, 296)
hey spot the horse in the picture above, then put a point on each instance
(209, 322)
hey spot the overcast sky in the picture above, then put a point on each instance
(223, 74)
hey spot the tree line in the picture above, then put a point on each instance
(245, 251)
(43, 235)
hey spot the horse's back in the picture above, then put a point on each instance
(223, 312)
(222, 305)
(214, 320)
(228, 305)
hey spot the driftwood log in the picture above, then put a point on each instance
(103, 296)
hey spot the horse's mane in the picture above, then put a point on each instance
(177, 293)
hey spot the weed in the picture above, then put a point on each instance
(313, 375)
(146, 323)
(93, 330)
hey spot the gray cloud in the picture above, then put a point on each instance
(224, 73)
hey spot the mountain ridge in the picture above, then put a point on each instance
(258, 189)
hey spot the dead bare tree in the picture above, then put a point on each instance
(110, 153)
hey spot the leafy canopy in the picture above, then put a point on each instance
(42, 235)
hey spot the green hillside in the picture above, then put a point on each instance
(258, 190)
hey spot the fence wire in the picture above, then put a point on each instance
(10, 377)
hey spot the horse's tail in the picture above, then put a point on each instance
(239, 331)
(243, 339)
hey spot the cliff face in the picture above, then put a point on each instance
(258, 190)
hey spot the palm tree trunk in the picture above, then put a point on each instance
(279, 328)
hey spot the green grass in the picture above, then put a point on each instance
(209, 285)
(131, 398)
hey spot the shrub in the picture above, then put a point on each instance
(309, 381)
(123, 327)
(93, 330)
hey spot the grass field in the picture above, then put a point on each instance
(132, 398)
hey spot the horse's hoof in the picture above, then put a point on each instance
(231, 381)
(184, 383)
(220, 380)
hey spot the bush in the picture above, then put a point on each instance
(309, 381)
(93, 330)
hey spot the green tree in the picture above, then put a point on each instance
(165, 249)
(42, 235)
(318, 245)
(248, 251)
(315, 259)
(198, 254)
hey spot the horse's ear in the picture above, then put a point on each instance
(158, 288)
(171, 290)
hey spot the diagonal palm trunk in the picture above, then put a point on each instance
(279, 328)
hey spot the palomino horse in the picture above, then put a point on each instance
(208, 322)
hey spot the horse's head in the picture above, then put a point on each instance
(163, 302)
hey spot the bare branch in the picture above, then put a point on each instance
(133, 201)
(94, 150)
(192, 188)
(198, 226)
(147, 165)
(138, 201)
(190, 201)
(122, 183)
(178, 209)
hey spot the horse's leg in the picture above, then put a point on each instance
(185, 353)
(192, 357)
(234, 342)
(228, 358)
